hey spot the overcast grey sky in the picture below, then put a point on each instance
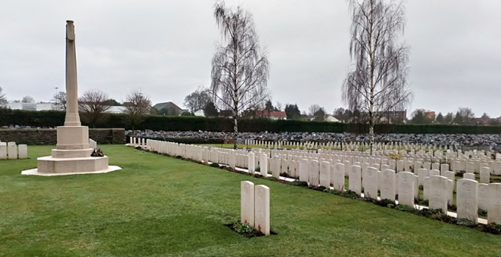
(165, 47)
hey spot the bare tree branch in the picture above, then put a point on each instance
(92, 106)
(377, 83)
(137, 106)
(240, 70)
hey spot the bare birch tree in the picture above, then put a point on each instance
(377, 84)
(92, 106)
(240, 69)
(3, 100)
(137, 106)
(59, 101)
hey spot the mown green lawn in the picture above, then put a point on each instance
(160, 206)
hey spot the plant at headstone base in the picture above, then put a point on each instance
(215, 165)
(482, 213)
(97, 152)
(492, 228)
(404, 208)
(466, 222)
(243, 228)
(299, 183)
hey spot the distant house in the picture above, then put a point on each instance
(272, 115)
(171, 107)
(116, 109)
(430, 115)
(394, 116)
(30, 106)
(199, 113)
(331, 118)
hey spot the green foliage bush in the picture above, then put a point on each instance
(191, 123)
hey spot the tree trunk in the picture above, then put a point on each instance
(235, 134)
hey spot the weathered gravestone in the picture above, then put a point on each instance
(23, 151)
(388, 184)
(494, 203)
(247, 202)
(483, 196)
(263, 165)
(355, 179)
(469, 176)
(11, 150)
(370, 182)
(438, 192)
(303, 170)
(313, 175)
(251, 162)
(337, 177)
(262, 209)
(3, 150)
(275, 167)
(325, 174)
(406, 188)
(485, 175)
(467, 199)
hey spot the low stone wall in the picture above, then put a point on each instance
(49, 136)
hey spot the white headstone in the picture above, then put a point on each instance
(325, 174)
(438, 193)
(370, 179)
(3, 150)
(337, 177)
(494, 203)
(263, 165)
(485, 175)
(483, 196)
(251, 162)
(247, 202)
(406, 188)
(23, 151)
(11, 150)
(313, 175)
(388, 184)
(355, 179)
(93, 143)
(303, 170)
(275, 166)
(422, 174)
(469, 176)
(262, 209)
(467, 199)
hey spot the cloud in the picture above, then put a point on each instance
(165, 49)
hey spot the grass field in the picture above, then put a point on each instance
(160, 206)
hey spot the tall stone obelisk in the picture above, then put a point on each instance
(73, 153)
(72, 117)
(72, 135)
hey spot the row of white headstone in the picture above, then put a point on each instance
(12, 151)
(255, 206)
(438, 184)
(137, 141)
(347, 146)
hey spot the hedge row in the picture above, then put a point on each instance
(181, 123)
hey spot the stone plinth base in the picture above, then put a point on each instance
(49, 164)
(36, 173)
(72, 137)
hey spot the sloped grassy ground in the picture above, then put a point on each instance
(160, 206)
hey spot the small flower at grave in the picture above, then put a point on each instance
(259, 227)
(97, 152)
(245, 221)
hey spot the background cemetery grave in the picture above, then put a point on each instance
(165, 206)
(411, 169)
